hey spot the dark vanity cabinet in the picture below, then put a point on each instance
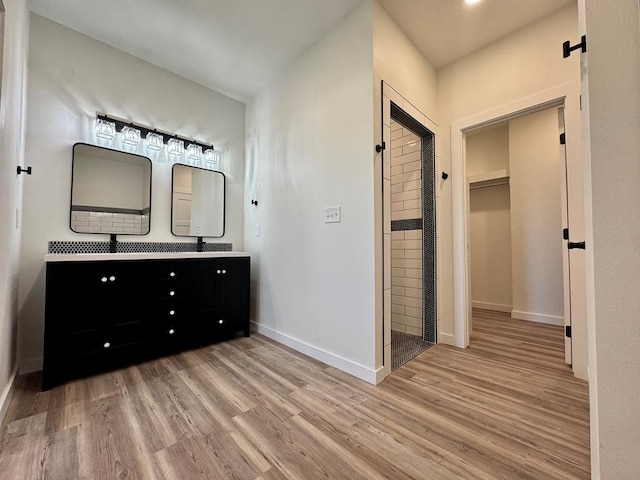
(105, 314)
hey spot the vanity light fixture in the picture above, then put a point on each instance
(154, 141)
(211, 159)
(175, 146)
(194, 152)
(105, 129)
(130, 136)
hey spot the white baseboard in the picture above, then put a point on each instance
(537, 317)
(348, 366)
(496, 307)
(447, 339)
(30, 366)
(5, 398)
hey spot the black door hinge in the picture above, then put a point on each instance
(567, 48)
(567, 331)
(563, 139)
(565, 234)
(580, 245)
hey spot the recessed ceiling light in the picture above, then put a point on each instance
(471, 2)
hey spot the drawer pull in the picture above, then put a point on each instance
(172, 274)
(218, 272)
(112, 278)
(224, 271)
(106, 345)
(172, 312)
(172, 293)
(104, 279)
(221, 321)
(171, 331)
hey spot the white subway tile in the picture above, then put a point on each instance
(399, 309)
(413, 244)
(417, 331)
(397, 170)
(408, 263)
(413, 272)
(406, 301)
(412, 167)
(412, 185)
(397, 291)
(413, 292)
(407, 282)
(406, 214)
(396, 206)
(413, 205)
(411, 148)
(408, 158)
(405, 177)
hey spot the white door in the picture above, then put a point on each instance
(566, 270)
(574, 248)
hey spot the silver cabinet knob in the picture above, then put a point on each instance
(218, 272)
(171, 331)
(172, 274)
(172, 293)
(221, 321)
(172, 312)
(104, 279)
(224, 271)
(112, 278)
(106, 345)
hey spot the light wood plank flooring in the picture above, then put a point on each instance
(505, 408)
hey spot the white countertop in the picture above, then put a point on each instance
(91, 257)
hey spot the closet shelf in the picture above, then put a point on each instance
(489, 179)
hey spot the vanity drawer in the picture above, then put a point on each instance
(105, 339)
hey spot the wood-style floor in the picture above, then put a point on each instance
(505, 408)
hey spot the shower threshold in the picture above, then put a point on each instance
(405, 347)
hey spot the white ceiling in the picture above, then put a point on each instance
(237, 47)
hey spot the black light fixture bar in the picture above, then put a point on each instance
(145, 130)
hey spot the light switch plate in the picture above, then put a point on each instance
(332, 215)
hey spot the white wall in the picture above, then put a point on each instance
(612, 107)
(412, 82)
(309, 141)
(490, 220)
(536, 220)
(12, 132)
(71, 77)
(518, 66)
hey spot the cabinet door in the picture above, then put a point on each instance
(221, 299)
(84, 296)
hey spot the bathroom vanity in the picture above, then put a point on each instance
(106, 311)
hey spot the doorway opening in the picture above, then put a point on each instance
(411, 197)
(563, 104)
(516, 215)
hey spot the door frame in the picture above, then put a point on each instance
(567, 95)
